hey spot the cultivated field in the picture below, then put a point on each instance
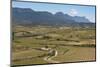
(72, 44)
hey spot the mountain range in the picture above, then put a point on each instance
(27, 16)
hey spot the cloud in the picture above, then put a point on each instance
(73, 12)
(91, 18)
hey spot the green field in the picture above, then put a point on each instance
(72, 44)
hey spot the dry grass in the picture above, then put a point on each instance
(79, 42)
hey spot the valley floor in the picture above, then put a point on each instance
(72, 44)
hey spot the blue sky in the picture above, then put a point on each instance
(73, 10)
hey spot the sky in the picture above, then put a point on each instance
(73, 10)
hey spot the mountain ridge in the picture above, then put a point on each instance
(29, 16)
